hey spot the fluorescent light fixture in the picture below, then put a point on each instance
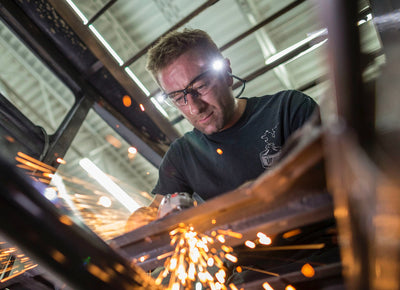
(362, 21)
(137, 81)
(77, 11)
(158, 106)
(106, 45)
(109, 185)
(314, 47)
(294, 47)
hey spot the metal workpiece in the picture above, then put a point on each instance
(291, 195)
(50, 237)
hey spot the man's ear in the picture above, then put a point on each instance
(229, 78)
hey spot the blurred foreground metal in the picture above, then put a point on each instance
(72, 252)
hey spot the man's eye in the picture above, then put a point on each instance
(176, 97)
(177, 100)
(201, 86)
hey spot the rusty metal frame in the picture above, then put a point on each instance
(361, 175)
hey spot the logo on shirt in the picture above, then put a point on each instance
(272, 151)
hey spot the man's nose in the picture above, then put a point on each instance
(195, 103)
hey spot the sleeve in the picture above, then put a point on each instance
(302, 108)
(170, 180)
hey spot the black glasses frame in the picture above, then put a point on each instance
(188, 89)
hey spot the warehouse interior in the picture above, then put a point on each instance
(78, 107)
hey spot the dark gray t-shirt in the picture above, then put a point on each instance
(213, 164)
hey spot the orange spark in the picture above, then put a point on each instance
(250, 244)
(10, 139)
(132, 150)
(127, 101)
(61, 161)
(231, 258)
(113, 141)
(266, 286)
(307, 270)
(291, 233)
(143, 258)
(264, 239)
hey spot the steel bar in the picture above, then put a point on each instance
(51, 238)
(345, 64)
(62, 139)
(13, 123)
(101, 11)
(353, 178)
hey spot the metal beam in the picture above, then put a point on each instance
(101, 11)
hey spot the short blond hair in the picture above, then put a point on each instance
(174, 44)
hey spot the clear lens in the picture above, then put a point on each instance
(200, 86)
(177, 98)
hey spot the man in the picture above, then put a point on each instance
(234, 140)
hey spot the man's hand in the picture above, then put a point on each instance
(143, 215)
(175, 202)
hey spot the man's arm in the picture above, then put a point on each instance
(156, 200)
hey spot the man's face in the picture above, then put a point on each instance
(210, 112)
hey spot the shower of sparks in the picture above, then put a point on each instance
(13, 262)
(85, 201)
(195, 257)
